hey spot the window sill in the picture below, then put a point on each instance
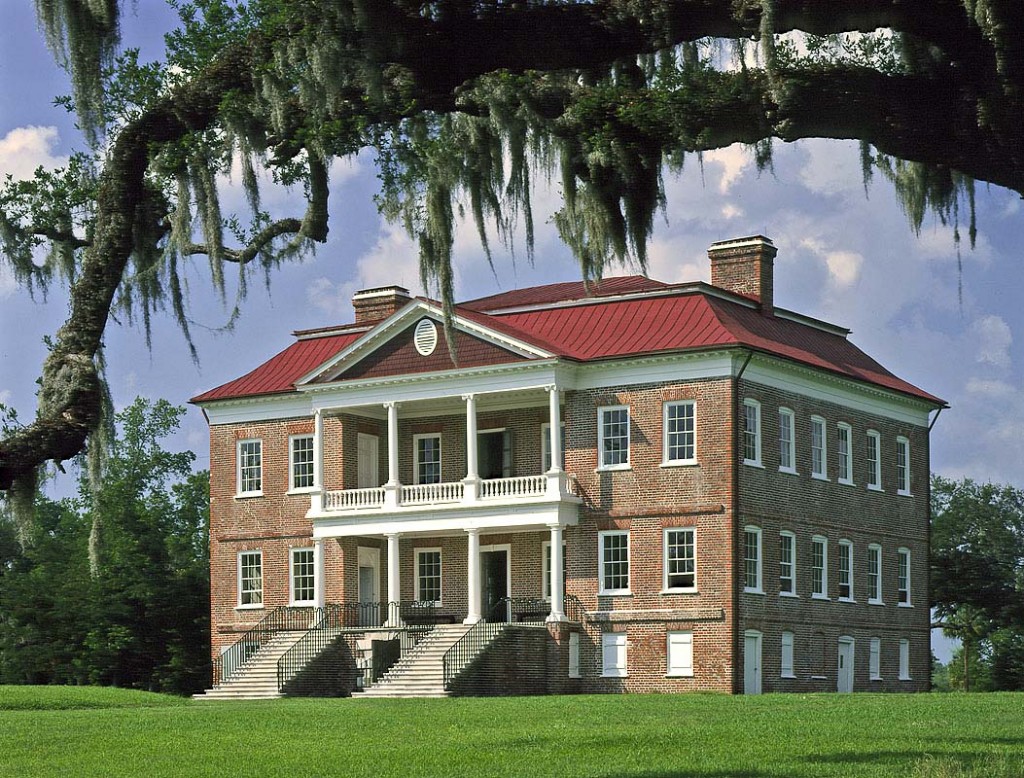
(904, 605)
(249, 607)
(614, 675)
(247, 495)
(302, 604)
(753, 591)
(872, 488)
(904, 494)
(819, 477)
(680, 463)
(846, 482)
(901, 678)
(303, 490)
(789, 595)
(819, 677)
(692, 590)
(615, 593)
(875, 602)
(575, 676)
(788, 677)
(848, 599)
(612, 468)
(788, 470)
(822, 597)
(679, 675)
(875, 678)
(753, 463)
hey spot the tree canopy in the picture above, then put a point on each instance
(465, 103)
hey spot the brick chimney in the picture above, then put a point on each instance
(744, 266)
(379, 303)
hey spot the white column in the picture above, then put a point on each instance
(392, 486)
(318, 573)
(316, 498)
(557, 589)
(555, 420)
(471, 483)
(473, 563)
(394, 581)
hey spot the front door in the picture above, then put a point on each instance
(752, 662)
(369, 592)
(844, 676)
(494, 582)
(368, 452)
(494, 454)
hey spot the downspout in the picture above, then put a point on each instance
(928, 529)
(737, 407)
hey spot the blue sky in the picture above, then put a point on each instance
(845, 256)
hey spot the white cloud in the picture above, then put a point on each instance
(730, 211)
(843, 266)
(994, 390)
(732, 160)
(830, 169)
(5, 396)
(23, 149)
(7, 283)
(325, 295)
(992, 338)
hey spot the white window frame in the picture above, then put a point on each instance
(545, 445)
(904, 660)
(691, 434)
(616, 640)
(903, 589)
(666, 589)
(602, 465)
(819, 541)
(874, 463)
(819, 469)
(787, 539)
(787, 441)
(875, 579)
(875, 659)
(291, 575)
(252, 592)
(416, 475)
(574, 655)
(751, 406)
(844, 453)
(292, 441)
(903, 471)
(846, 549)
(679, 654)
(786, 667)
(545, 566)
(240, 468)
(602, 536)
(440, 574)
(758, 588)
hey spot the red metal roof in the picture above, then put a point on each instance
(683, 320)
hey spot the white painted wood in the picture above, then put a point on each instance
(752, 662)
(844, 674)
(368, 456)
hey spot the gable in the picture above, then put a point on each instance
(398, 355)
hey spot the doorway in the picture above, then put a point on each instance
(368, 458)
(369, 587)
(494, 454)
(751, 662)
(844, 675)
(495, 580)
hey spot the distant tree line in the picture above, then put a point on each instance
(977, 579)
(138, 618)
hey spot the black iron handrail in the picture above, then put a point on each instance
(281, 619)
(356, 618)
(466, 648)
(573, 609)
(534, 609)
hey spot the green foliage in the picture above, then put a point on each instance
(138, 619)
(777, 735)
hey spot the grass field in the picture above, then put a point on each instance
(50, 731)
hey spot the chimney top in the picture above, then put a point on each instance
(745, 266)
(379, 302)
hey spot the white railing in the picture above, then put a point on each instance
(505, 488)
(570, 484)
(430, 494)
(354, 499)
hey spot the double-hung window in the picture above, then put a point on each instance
(428, 575)
(613, 552)
(300, 462)
(903, 577)
(250, 467)
(844, 453)
(303, 577)
(752, 560)
(874, 459)
(787, 564)
(250, 579)
(819, 567)
(680, 563)
(902, 466)
(613, 437)
(680, 433)
(428, 458)
(787, 441)
(819, 452)
(875, 574)
(752, 432)
(846, 570)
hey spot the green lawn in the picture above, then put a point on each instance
(101, 732)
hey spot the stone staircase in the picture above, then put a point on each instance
(257, 678)
(420, 671)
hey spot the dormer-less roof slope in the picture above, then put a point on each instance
(615, 318)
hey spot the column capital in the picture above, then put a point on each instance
(469, 396)
(472, 530)
(552, 388)
(391, 404)
(392, 534)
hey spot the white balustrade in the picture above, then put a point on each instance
(430, 494)
(511, 488)
(354, 499)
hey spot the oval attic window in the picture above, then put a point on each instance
(425, 337)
